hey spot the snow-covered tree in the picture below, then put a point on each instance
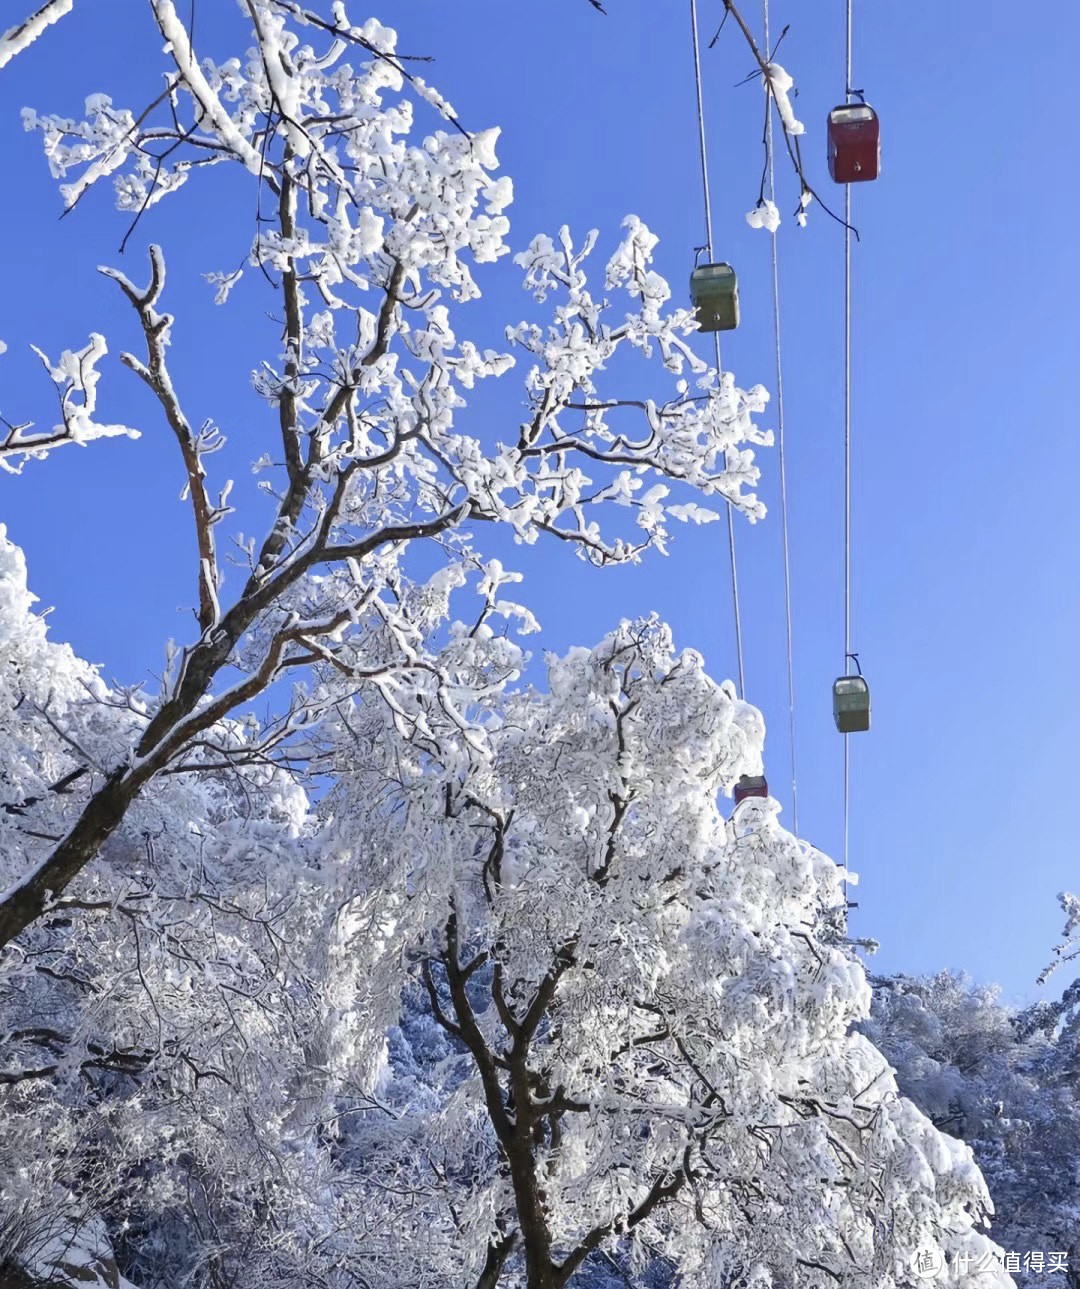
(152, 1025)
(376, 227)
(641, 1040)
(514, 999)
(1005, 1082)
(512, 996)
(1066, 952)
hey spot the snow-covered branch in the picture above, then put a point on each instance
(76, 377)
(778, 84)
(193, 446)
(17, 38)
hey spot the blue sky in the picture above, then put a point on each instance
(967, 330)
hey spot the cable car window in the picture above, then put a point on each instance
(848, 115)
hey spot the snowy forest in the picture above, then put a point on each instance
(377, 944)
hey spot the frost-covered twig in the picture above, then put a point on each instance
(778, 84)
(75, 376)
(1069, 948)
(193, 446)
(17, 38)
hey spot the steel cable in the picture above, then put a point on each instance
(716, 338)
(847, 433)
(781, 447)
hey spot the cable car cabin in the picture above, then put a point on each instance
(851, 704)
(751, 785)
(714, 290)
(854, 143)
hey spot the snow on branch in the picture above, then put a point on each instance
(778, 84)
(75, 376)
(17, 38)
(1069, 948)
(194, 446)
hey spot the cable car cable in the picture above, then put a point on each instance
(847, 436)
(716, 338)
(781, 454)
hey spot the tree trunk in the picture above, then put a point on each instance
(497, 1255)
(27, 900)
(540, 1271)
(536, 1238)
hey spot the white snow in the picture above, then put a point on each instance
(17, 38)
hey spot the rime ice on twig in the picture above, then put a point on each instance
(17, 38)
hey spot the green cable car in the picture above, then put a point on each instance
(714, 290)
(851, 704)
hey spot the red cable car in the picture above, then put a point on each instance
(854, 143)
(751, 785)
